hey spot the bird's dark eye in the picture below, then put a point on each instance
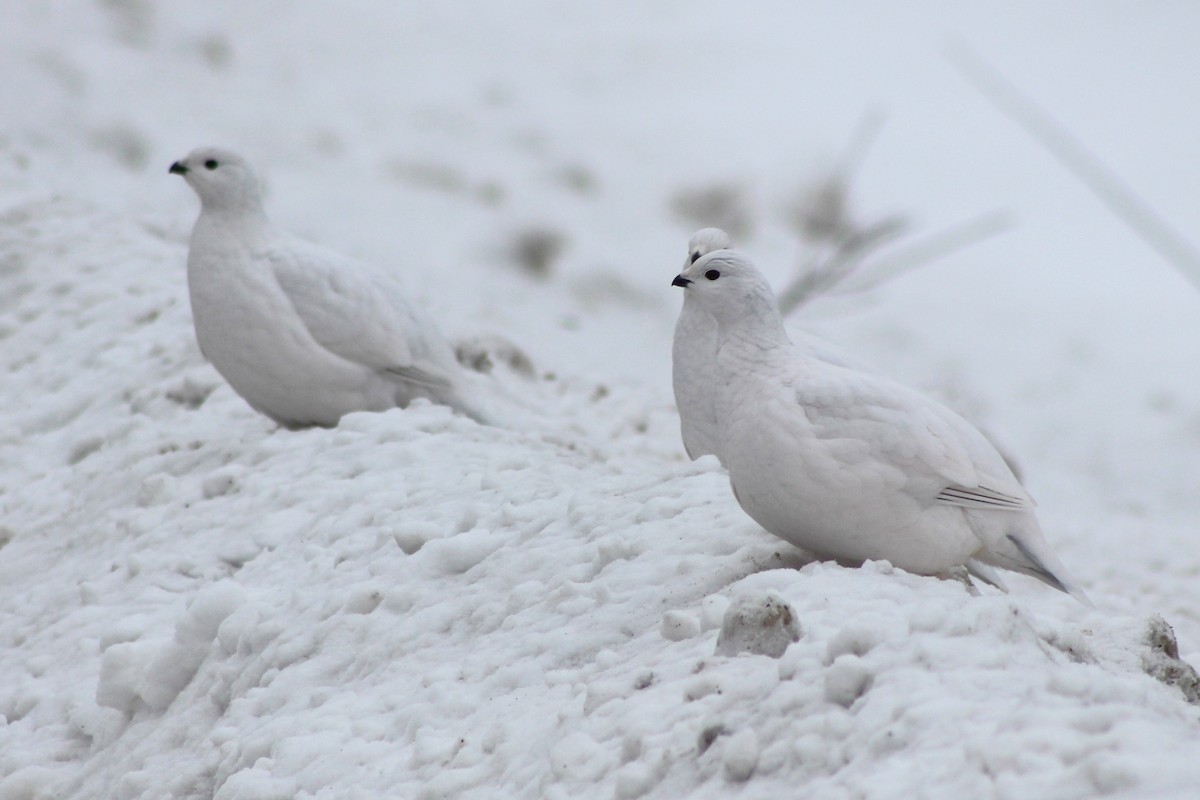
(712, 274)
(695, 257)
(211, 164)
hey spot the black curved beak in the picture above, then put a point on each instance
(178, 168)
(681, 281)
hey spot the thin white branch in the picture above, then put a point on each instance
(927, 249)
(824, 276)
(1070, 152)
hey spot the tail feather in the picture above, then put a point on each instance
(1044, 566)
(1014, 541)
(1054, 575)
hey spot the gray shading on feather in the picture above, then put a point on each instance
(305, 335)
(848, 464)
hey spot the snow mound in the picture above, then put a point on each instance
(195, 604)
(414, 605)
(155, 673)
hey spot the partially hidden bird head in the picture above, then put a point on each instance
(729, 286)
(705, 241)
(222, 178)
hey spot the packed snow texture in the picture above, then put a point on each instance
(195, 603)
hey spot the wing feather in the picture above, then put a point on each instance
(360, 314)
(944, 457)
(981, 497)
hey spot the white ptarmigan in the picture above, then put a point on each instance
(303, 334)
(692, 352)
(850, 465)
(695, 346)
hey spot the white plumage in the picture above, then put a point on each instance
(694, 348)
(692, 353)
(303, 334)
(847, 464)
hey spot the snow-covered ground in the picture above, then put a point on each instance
(194, 603)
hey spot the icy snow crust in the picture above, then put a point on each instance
(196, 604)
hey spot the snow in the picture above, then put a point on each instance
(196, 604)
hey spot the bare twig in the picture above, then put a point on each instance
(848, 255)
(927, 249)
(1070, 152)
(821, 277)
(846, 248)
(870, 125)
(823, 215)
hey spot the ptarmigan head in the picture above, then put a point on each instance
(728, 286)
(222, 178)
(705, 241)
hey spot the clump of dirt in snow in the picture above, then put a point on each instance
(1162, 660)
(763, 624)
